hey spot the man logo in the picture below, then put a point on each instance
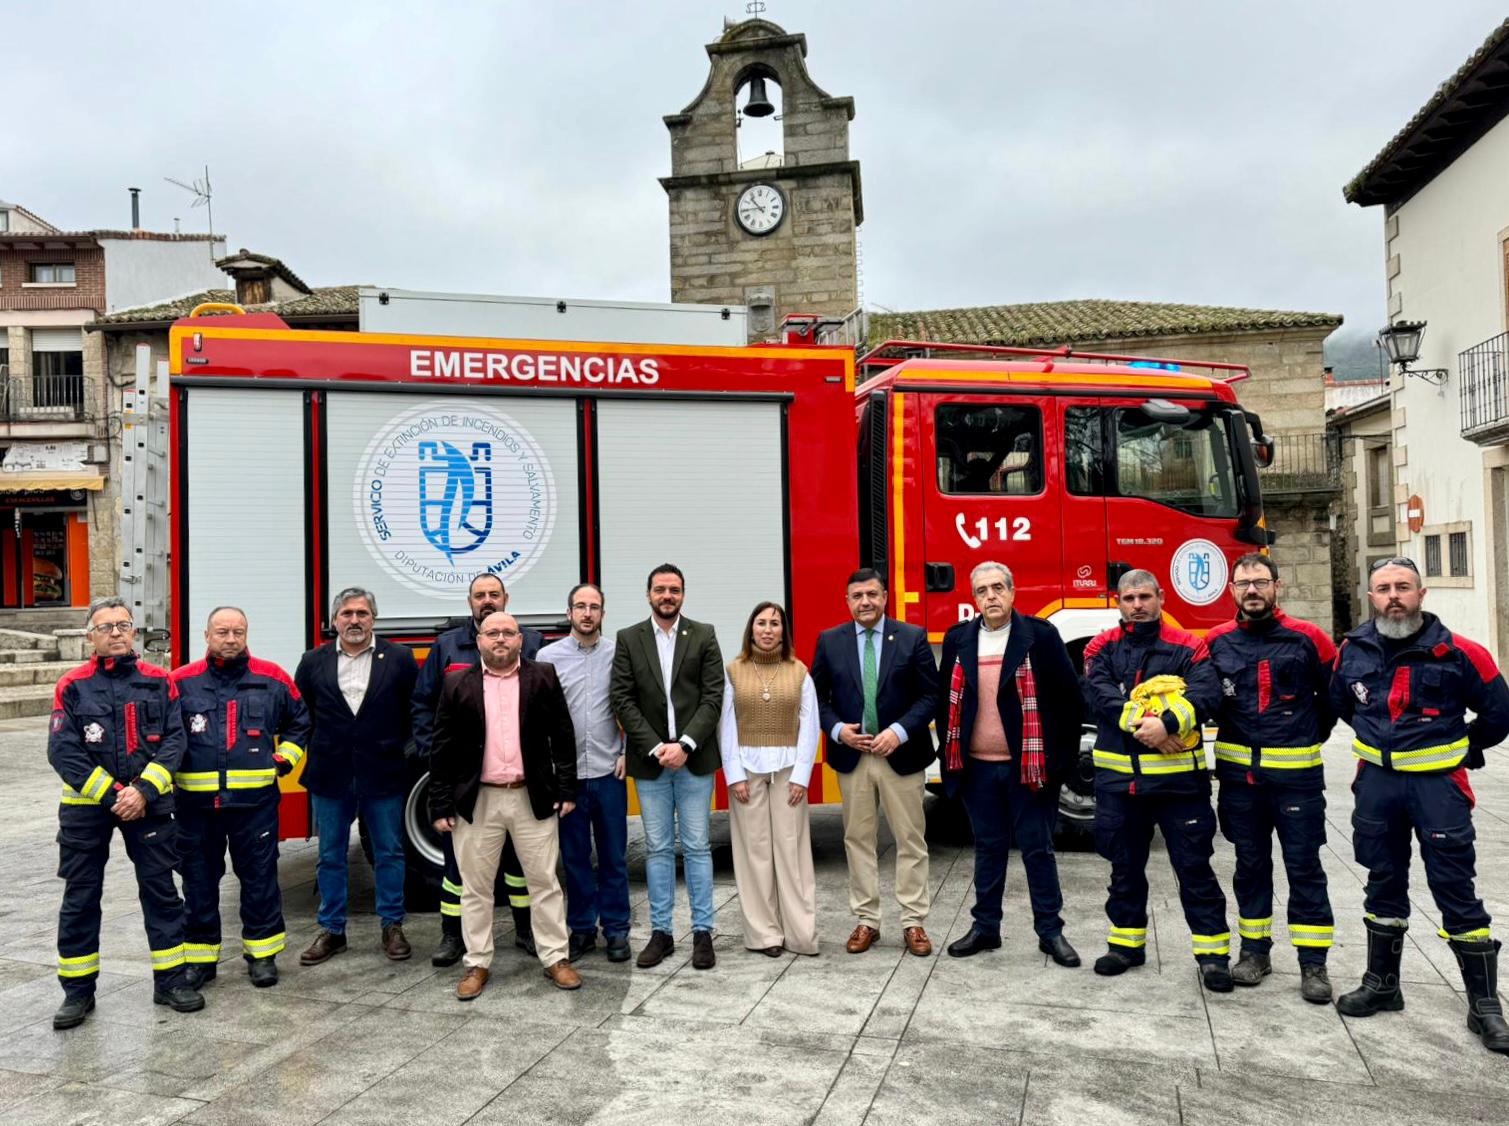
(1198, 571)
(449, 519)
(444, 492)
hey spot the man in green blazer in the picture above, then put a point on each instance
(667, 691)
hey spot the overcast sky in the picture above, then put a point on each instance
(1173, 151)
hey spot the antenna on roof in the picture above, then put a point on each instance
(200, 190)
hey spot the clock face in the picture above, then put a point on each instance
(760, 208)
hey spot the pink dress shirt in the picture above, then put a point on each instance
(502, 753)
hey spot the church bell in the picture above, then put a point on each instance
(759, 104)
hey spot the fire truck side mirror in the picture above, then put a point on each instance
(1262, 450)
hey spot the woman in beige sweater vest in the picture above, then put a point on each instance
(768, 736)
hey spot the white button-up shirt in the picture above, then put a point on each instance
(352, 674)
(665, 648)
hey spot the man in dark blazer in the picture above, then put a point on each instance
(1009, 758)
(358, 690)
(875, 680)
(503, 762)
(667, 691)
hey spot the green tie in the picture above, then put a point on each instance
(872, 681)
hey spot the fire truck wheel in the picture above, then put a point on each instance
(424, 864)
(1076, 799)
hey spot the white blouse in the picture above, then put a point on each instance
(740, 761)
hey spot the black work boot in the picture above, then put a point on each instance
(1379, 991)
(262, 971)
(180, 998)
(73, 1010)
(449, 952)
(1119, 959)
(1252, 967)
(1485, 1014)
(1215, 974)
(199, 974)
(523, 932)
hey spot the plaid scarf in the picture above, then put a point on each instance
(1034, 757)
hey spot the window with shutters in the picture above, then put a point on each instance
(1448, 554)
(1432, 556)
(1456, 544)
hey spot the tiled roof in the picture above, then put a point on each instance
(1065, 322)
(324, 301)
(1462, 109)
(231, 264)
(138, 236)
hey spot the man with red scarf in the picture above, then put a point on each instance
(1007, 760)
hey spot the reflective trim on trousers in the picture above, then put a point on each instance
(168, 959)
(1255, 928)
(201, 953)
(80, 966)
(263, 947)
(1307, 934)
(1134, 937)
(1210, 943)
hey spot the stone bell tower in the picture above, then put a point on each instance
(776, 233)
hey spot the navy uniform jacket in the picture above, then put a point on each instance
(1275, 709)
(454, 650)
(115, 723)
(1409, 711)
(907, 687)
(1116, 661)
(245, 725)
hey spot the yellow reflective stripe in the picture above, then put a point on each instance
(1234, 752)
(514, 881)
(96, 784)
(250, 779)
(1256, 928)
(1308, 934)
(1290, 758)
(1184, 712)
(1182, 763)
(1439, 757)
(450, 908)
(1481, 934)
(450, 888)
(518, 900)
(81, 965)
(292, 753)
(168, 958)
(1211, 943)
(73, 797)
(1130, 713)
(1128, 936)
(263, 947)
(1398, 924)
(157, 774)
(197, 781)
(1110, 760)
(201, 952)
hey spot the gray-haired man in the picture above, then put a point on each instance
(358, 690)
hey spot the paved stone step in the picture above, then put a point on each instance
(30, 699)
(34, 672)
(24, 639)
(27, 656)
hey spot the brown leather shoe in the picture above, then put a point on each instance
(563, 976)
(324, 947)
(472, 983)
(917, 941)
(862, 939)
(394, 944)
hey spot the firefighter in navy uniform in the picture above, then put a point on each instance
(1150, 772)
(115, 740)
(245, 727)
(1404, 682)
(453, 650)
(1274, 716)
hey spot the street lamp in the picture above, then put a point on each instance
(1401, 340)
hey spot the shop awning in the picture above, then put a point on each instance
(42, 481)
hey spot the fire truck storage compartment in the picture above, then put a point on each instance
(700, 484)
(245, 484)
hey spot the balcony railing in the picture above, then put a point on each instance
(42, 398)
(1303, 463)
(1484, 393)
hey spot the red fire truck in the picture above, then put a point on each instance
(303, 462)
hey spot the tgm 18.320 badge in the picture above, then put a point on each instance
(444, 494)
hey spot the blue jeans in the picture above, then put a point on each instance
(677, 796)
(1003, 811)
(332, 821)
(602, 811)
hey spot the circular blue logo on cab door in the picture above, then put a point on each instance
(444, 494)
(1198, 572)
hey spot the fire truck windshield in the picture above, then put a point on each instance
(1186, 464)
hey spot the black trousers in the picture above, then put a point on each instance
(83, 850)
(1124, 825)
(1251, 814)
(250, 834)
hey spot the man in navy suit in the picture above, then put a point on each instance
(358, 689)
(876, 680)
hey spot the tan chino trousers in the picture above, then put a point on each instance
(479, 847)
(872, 785)
(772, 842)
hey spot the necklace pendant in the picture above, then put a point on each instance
(765, 695)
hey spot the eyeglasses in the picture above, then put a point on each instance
(1251, 584)
(113, 627)
(496, 634)
(580, 606)
(1397, 561)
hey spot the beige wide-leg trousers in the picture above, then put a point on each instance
(479, 847)
(772, 842)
